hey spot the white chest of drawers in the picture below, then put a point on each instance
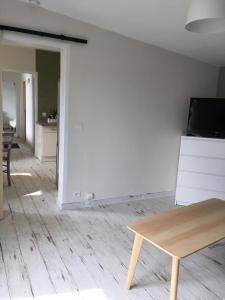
(45, 142)
(201, 170)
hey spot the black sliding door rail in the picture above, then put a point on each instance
(44, 34)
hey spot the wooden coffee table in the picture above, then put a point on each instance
(179, 233)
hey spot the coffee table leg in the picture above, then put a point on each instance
(174, 278)
(138, 240)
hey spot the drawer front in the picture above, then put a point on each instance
(50, 129)
(201, 181)
(49, 144)
(202, 165)
(204, 148)
(187, 196)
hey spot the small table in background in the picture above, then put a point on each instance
(7, 140)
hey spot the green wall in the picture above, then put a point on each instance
(48, 68)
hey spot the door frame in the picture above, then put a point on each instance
(64, 49)
(11, 85)
(34, 100)
(23, 111)
(23, 94)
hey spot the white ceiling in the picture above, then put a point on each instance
(157, 22)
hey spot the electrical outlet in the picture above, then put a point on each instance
(44, 114)
(90, 196)
(77, 194)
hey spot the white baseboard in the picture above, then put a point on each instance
(115, 200)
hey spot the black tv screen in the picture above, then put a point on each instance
(207, 117)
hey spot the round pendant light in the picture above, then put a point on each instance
(206, 16)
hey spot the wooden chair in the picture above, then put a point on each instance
(7, 146)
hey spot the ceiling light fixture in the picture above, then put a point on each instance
(206, 16)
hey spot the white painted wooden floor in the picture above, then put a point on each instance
(52, 254)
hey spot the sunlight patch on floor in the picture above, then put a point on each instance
(94, 294)
(37, 193)
(21, 174)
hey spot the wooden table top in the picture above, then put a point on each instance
(184, 230)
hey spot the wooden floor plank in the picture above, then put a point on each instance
(18, 281)
(58, 272)
(4, 288)
(84, 254)
(36, 265)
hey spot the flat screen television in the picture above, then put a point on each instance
(207, 117)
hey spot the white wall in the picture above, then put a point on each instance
(9, 102)
(11, 98)
(128, 106)
(17, 58)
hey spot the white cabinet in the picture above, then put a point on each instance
(45, 142)
(201, 170)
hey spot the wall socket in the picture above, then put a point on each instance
(90, 196)
(77, 194)
(44, 114)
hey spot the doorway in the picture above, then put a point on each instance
(47, 115)
(64, 76)
(9, 94)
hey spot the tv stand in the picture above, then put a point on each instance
(201, 170)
